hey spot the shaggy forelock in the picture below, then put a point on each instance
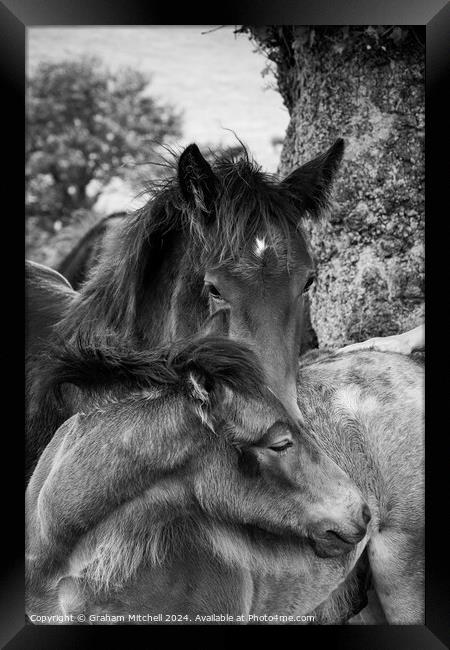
(251, 204)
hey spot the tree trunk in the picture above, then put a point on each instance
(365, 84)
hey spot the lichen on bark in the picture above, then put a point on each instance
(365, 84)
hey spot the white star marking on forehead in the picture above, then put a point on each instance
(260, 246)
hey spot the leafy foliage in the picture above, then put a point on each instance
(87, 124)
(285, 43)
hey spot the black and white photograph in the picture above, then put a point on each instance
(225, 325)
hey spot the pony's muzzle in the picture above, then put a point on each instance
(330, 538)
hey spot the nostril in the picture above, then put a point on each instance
(366, 514)
(332, 534)
(346, 538)
(332, 542)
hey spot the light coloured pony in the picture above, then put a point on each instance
(183, 488)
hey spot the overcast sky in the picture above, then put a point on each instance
(214, 77)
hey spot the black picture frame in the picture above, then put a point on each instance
(15, 17)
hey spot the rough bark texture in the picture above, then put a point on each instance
(367, 86)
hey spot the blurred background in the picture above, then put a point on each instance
(100, 99)
(106, 106)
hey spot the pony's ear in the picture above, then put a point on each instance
(202, 382)
(201, 387)
(197, 180)
(217, 361)
(310, 185)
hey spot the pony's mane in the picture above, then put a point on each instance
(214, 358)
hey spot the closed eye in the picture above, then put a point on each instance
(282, 445)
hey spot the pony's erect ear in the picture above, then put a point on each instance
(310, 185)
(197, 180)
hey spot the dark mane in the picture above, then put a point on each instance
(216, 359)
(248, 203)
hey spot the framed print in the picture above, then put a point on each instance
(224, 321)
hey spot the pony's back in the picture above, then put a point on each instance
(75, 266)
(48, 295)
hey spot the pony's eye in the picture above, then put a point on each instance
(214, 292)
(281, 445)
(308, 284)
